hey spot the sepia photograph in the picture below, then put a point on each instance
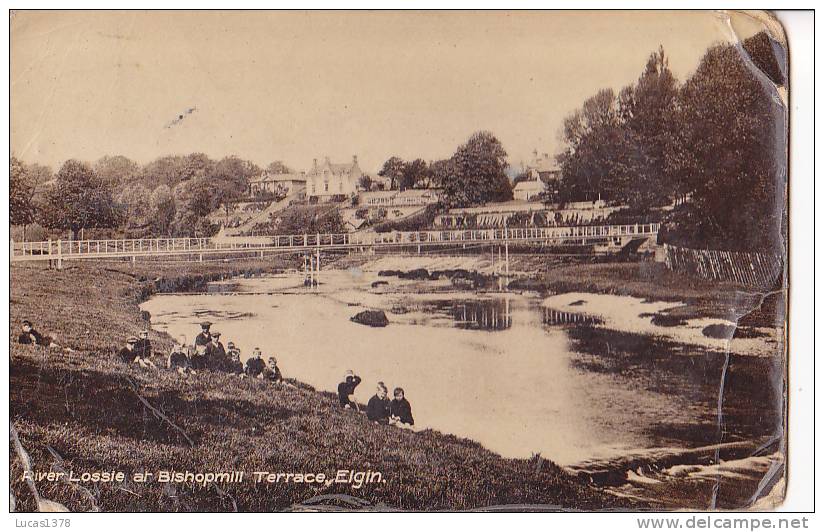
(380, 261)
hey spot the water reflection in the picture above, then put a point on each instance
(477, 315)
(557, 317)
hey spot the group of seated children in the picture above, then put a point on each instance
(207, 352)
(380, 409)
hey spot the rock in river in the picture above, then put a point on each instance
(373, 318)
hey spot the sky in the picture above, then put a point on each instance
(294, 86)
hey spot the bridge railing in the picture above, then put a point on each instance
(159, 246)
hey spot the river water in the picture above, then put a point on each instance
(521, 374)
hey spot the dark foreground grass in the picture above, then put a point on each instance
(84, 411)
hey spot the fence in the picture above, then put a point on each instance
(752, 269)
(91, 249)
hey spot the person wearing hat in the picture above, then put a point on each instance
(178, 358)
(205, 336)
(235, 365)
(128, 354)
(216, 359)
(143, 347)
(30, 336)
(272, 371)
(347, 388)
(255, 365)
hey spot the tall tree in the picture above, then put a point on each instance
(21, 190)
(414, 174)
(168, 170)
(230, 178)
(162, 210)
(440, 171)
(78, 200)
(479, 173)
(648, 113)
(393, 169)
(730, 153)
(116, 170)
(278, 167)
(593, 138)
(133, 200)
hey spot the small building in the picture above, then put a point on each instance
(529, 190)
(280, 184)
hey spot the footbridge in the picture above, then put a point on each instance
(59, 250)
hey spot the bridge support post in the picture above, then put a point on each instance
(200, 257)
(59, 254)
(317, 263)
(419, 249)
(134, 259)
(311, 270)
(506, 248)
(493, 259)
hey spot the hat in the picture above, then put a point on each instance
(27, 322)
(349, 373)
(273, 359)
(230, 344)
(215, 334)
(144, 331)
(206, 324)
(131, 340)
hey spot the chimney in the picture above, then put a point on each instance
(354, 159)
(326, 160)
(314, 164)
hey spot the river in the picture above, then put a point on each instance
(569, 376)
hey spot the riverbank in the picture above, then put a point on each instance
(84, 411)
(647, 280)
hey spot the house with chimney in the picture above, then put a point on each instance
(543, 177)
(328, 181)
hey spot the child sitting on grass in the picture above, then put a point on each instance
(179, 358)
(255, 365)
(272, 372)
(346, 390)
(400, 411)
(377, 409)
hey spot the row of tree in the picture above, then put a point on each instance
(718, 140)
(170, 196)
(474, 175)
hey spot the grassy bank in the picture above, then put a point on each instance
(84, 411)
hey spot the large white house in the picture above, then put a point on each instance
(328, 180)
